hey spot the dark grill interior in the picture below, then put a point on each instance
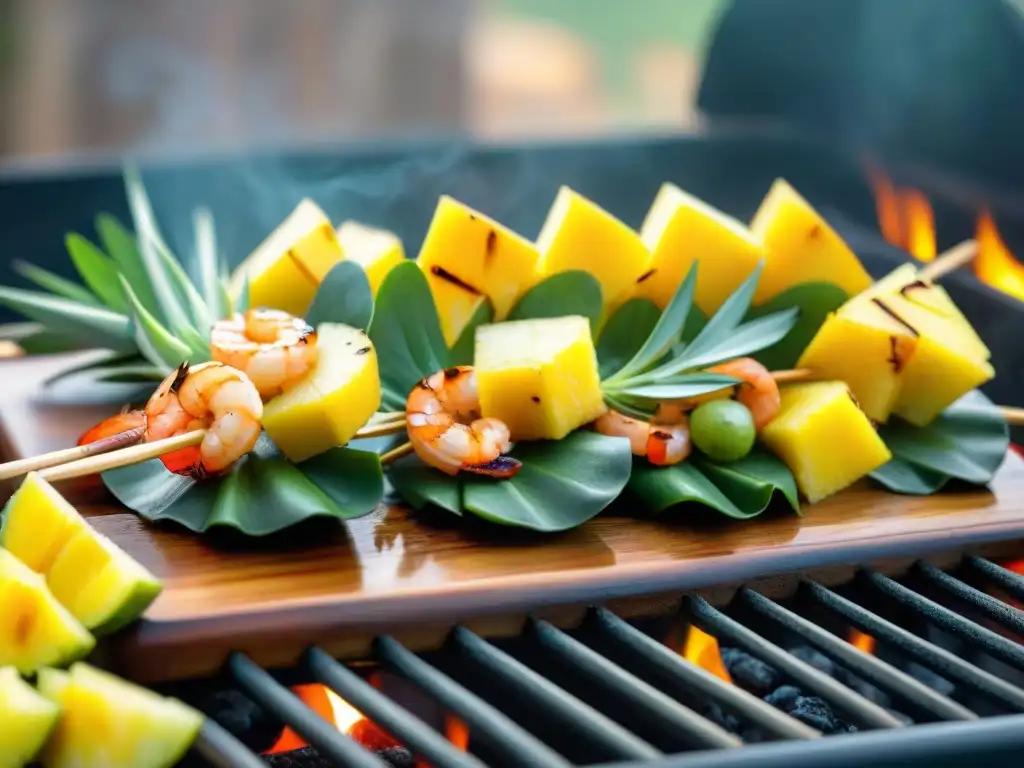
(946, 673)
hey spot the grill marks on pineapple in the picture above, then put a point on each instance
(458, 282)
(490, 245)
(815, 232)
(300, 265)
(885, 308)
(909, 291)
(535, 399)
(646, 275)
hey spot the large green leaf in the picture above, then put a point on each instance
(56, 284)
(344, 296)
(35, 339)
(123, 248)
(208, 264)
(740, 489)
(814, 302)
(624, 334)
(157, 344)
(968, 441)
(262, 494)
(406, 333)
(464, 349)
(90, 326)
(98, 271)
(562, 484)
(567, 293)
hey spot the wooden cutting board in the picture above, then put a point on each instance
(390, 572)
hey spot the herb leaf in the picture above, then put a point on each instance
(624, 334)
(56, 284)
(573, 292)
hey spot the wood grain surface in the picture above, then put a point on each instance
(337, 585)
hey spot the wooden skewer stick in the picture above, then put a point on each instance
(133, 455)
(949, 261)
(381, 430)
(396, 453)
(78, 453)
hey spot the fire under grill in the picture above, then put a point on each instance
(911, 666)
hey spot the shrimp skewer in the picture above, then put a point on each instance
(444, 426)
(212, 397)
(665, 440)
(274, 349)
(758, 390)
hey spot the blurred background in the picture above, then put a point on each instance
(158, 76)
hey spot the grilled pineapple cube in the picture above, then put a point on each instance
(579, 234)
(35, 630)
(824, 438)
(377, 251)
(26, 720)
(539, 376)
(681, 230)
(37, 522)
(468, 258)
(286, 269)
(801, 247)
(106, 722)
(329, 406)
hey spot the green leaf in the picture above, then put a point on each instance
(968, 441)
(55, 284)
(695, 323)
(344, 296)
(105, 363)
(627, 406)
(747, 338)
(262, 494)
(901, 476)
(209, 264)
(34, 339)
(568, 293)
(463, 350)
(741, 489)
(676, 387)
(420, 486)
(98, 271)
(199, 317)
(90, 326)
(244, 299)
(666, 332)
(157, 344)
(225, 300)
(123, 248)
(624, 334)
(814, 301)
(406, 333)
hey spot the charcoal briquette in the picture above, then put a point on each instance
(784, 697)
(863, 687)
(714, 712)
(815, 712)
(814, 658)
(924, 675)
(751, 674)
(397, 757)
(307, 757)
(242, 717)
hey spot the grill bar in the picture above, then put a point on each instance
(1000, 647)
(551, 701)
(396, 720)
(327, 739)
(869, 667)
(222, 750)
(942, 661)
(996, 610)
(1012, 583)
(484, 720)
(677, 722)
(713, 621)
(680, 676)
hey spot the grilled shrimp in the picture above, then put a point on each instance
(444, 425)
(211, 396)
(664, 440)
(758, 391)
(115, 425)
(274, 349)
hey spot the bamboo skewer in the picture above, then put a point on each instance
(396, 453)
(123, 458)
(71, 455)
(949, 261)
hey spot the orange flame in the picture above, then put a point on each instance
(861, 641)
(457, 732)
(702, 649)
(995, 264)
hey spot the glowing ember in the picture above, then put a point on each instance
(702, 649)
(457, 732)
(861, 641)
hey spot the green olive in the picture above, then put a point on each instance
(723, 430)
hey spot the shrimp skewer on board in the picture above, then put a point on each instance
(445, 429)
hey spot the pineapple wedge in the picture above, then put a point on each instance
(333, 402)
(467, 258)
(824, 438)
(579, 234)
(377, 251)
(681, 230)
(37, 522)
(106, 722)
(539, 376)
(26, 720)
(286, 269)
(36, 630)
(801, 247)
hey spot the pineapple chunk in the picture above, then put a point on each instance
(824, 438)
(801, 247)
(26, 720)
(377, 251)
(469, 257)
(37, 523)
(579, 234)
(539, 376)
(333, 402)
(285, 270)
(867, 348)
(681, 230)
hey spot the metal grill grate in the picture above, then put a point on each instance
(610, 693)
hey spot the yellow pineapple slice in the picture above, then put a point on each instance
(35, 630)
(579, 234)
(681, 230)
(377, 251)
(469, 257)
(824, 438)
(106, 722)
(286, 269)
(801, 247)
(539, 376)
(37, 522)
(26, 720)
(333, 402)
